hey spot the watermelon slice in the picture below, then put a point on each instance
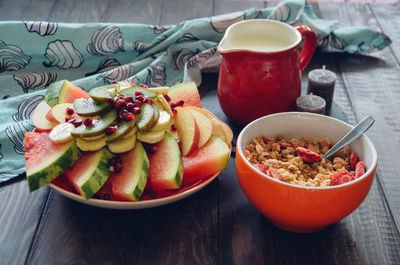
(90, 172)
(45, 160)
(166, 169)
(205, 161)
(128, 185)
(63, 92)
(187, 92)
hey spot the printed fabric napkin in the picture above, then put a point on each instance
(35, 54)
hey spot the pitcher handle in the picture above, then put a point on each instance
(310, 42)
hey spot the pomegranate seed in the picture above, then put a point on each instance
(110, 101)
(71, 120)
(154, 149)
(173, 128)
(106, 197)
(180, 145)
(174, 111)
(173, 105)
(111, 129)
(118, 167)
(120, 95)
(138, 104)
(136, 110)
(143, 85)
(113, 161)
(67, 119)
(122, 113)
(129, 99)
(70, 111)
(114, 83)
(180, 103)
(128, 117)
(130, 106)
(138, 93)
(167, 98)
(88, 122)
(120, 104)
(133, 85)
(140, 98)
(149, 101)
(77, 123)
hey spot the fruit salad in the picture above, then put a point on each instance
(121, 140)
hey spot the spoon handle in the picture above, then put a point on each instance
(361, 127)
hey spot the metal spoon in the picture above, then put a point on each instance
(356, 132)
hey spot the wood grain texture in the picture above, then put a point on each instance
(126, 11)
(371, 84)
(218, 225)
(26, 10)
(228, 6)
(20, 215)
(181, 233)
(74, 11)
(174, 12)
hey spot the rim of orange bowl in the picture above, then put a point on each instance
(369, 142)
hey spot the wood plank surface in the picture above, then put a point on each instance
(127, 11)
(20, 215)
(174, 12)
(218, 225)
(74, 11)
(25, 10)
(181, 233)
(371, 84)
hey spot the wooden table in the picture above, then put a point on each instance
(218, 225)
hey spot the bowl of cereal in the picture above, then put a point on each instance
(280, 170)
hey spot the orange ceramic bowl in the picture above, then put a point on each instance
(298, 208)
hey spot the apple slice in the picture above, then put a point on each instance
(58, 113)
(38, 117)
(187, 129)
(219, 128)
(227, 131)
(204, 124)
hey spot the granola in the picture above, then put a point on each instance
(298, 161)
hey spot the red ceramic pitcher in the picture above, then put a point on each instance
(260, 72)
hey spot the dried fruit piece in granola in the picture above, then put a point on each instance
(274, 173)
(359, 169)
(353, 160)
(261, 167)
(341, 177)
(307, 155)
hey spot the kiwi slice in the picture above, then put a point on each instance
(88, 107)
(156, 115)
(102, 93)
(146, 117)
(124, 127)
(98, 126)
(130, 92)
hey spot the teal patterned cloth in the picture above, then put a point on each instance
(35, 54)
